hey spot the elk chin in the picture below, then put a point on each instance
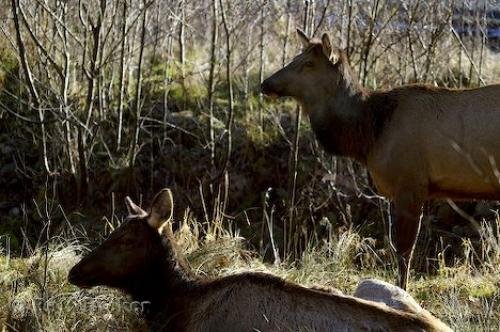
(82, 280)
(269, 89)
(272, 96)
(76, 280)
(82, 285)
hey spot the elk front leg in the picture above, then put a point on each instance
(406, 218)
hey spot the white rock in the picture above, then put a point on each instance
(383, 292)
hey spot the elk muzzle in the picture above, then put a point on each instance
(265, 87)
(268, 88)
(76, 277)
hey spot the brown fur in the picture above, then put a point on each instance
(179, 301)
(418, 142)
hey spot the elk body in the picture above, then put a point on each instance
(417, 142)
(140, 258)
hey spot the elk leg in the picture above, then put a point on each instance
(406, 218)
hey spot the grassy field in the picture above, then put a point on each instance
(36, 296)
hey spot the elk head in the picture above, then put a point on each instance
(130, 250)
(308, 76)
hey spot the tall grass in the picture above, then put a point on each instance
(35, 294)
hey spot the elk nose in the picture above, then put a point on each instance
(265, 87)
(74, 275)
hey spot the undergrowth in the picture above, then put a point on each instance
(35, 294)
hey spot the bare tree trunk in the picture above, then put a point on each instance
(35, 101)
(182, 51)
(229, 78)
(95, 29)
(349, 27)
(82, 166)
(460, 63)
(292, 179)
(211, 81)
(22, 55)
(343, 24)
(472, 55)
(261, 61)
(410, 17)
(287, 32)
(482, 27)
(138, 89)
(305, 22)
(368, 43)
(316, 27)
(246, 68)
(149, 87)
(64, 92)
(310, 23)
(101, 72)
(439, 23)
(221, 204)
(167, 82)
(293, 166)
(121, 82)
(92, 72)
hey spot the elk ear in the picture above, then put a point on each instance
(337, 54)
(161, 209)
(327, 46)
(303, 38)
(133, 209)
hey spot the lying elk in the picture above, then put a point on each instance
(418, 142)
(140, 258)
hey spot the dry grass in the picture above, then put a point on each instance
(495, 68)
(35, 294)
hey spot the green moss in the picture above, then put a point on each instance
(483, 289)
(8, 64)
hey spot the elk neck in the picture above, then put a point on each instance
(345, 122)
(165, 282)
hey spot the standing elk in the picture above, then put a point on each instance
(140, 258)
(418, 142)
